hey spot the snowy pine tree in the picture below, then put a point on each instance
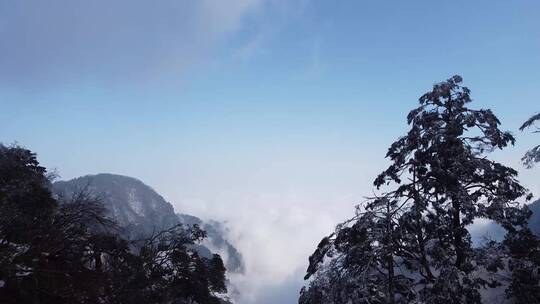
(440, 180)
(359, 259)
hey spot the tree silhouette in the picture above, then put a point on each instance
(66, 250)
(412, 244)
(533, 155)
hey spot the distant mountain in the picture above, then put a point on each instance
(490, 230)
(534, 221)
(216, 241)
(140, 210)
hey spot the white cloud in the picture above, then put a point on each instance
(276, 223)
(276, 233)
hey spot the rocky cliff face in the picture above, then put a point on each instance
(140, 210)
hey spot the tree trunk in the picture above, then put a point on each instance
(419, 232)
(97, 261)
(422, 246)
(456, 230)
(390, 256)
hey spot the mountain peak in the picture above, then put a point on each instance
(129, 201)
(139, 209)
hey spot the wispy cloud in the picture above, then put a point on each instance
(316, 67)
(252, 47)
(61, 41)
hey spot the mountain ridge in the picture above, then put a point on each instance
(141, 211)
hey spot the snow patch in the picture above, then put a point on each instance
(134, 203)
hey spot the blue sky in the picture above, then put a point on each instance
(273, 115)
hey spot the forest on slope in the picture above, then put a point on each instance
(140, 211)
(66, 249)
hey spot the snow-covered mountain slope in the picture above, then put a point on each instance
(141, 211)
